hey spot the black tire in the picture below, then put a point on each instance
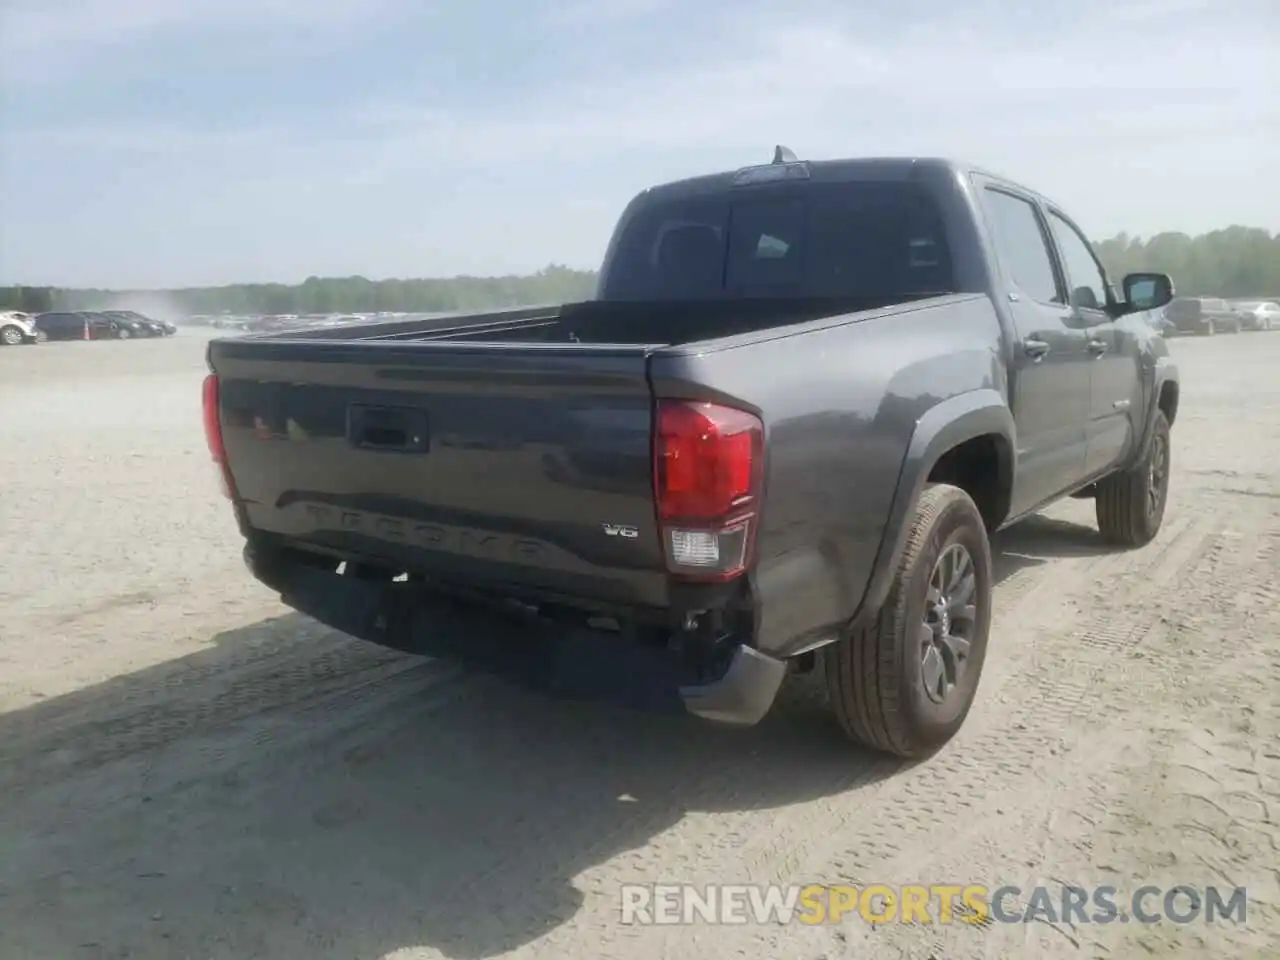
(875, 676)
(12, 336)
(1130, 505)
(1210, 328)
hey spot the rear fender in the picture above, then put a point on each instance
(942, 428)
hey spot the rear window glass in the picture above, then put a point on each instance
(1183, 308)
(809, 239)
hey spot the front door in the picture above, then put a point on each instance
(1114, 396)
(1050, 369)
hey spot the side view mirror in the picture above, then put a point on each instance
(1147, 291)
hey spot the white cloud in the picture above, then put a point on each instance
(826, 91)
(38, 25)
(44, 39)
(1109, 125)
(584, 13)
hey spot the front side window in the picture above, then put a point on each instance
(1087, 281)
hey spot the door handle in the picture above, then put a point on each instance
(1035, 348)
(1097, 347)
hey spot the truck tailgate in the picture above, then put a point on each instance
(506, 466)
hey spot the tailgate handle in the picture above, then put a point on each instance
(402, 429)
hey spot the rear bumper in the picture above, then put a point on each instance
(554, 659)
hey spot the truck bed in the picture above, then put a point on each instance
(669, 323)
(510, 452)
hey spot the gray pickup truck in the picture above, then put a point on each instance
(776, 440)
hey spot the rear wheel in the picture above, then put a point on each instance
(1130, 505)
(904, 683)
(123, 333)
(1209, 329)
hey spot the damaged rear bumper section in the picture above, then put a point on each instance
(554, 659)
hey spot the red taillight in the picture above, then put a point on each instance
(213, 431)
(212, 425)
(708, 469)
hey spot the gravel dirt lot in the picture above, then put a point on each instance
(189, 770)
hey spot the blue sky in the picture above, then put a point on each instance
(178, 142)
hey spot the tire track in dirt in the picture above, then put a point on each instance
(316, 676)
(1057, 687)
(732, 848)
(56, 740)
(948, 806)
(1044, 697)
(302, 663)
(1038, 827)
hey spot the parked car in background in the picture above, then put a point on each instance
(149, 327)
(231, 323)
(63, 325)
(122, 327)
(1203, 316)
(166, 328)
(16, 328)
(83, 325)
(1258, 314)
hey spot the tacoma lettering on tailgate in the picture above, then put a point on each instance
(432, 536)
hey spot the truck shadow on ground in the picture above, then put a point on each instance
(289, 792)
(1038, 540)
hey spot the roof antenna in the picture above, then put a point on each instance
(782, 155)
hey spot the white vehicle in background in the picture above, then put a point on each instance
(1258, 314)
(17, 328)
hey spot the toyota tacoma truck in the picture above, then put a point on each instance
(777, 439)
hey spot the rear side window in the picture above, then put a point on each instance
(866, 239)
(1020, 244)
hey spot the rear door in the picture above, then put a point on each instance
(1051, 364)
(509, 466)
(1114, 350)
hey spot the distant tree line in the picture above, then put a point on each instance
(1235, 262)
(554, 284)
(28, 299)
